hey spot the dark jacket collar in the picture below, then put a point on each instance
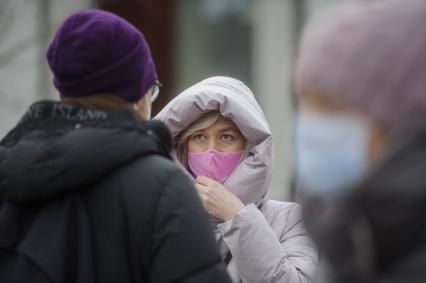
(57, 148)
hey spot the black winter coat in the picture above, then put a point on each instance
(377, 232)
(114, 178)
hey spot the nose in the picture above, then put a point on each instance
(212, 145)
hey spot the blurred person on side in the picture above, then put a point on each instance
(89, 192)
(222, 139)
(361, 140)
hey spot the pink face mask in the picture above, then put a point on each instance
(214, 164)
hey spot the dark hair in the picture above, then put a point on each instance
(105, 102)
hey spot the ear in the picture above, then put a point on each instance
(377, 144)
(143, 106)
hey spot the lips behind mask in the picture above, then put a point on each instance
(214, 164)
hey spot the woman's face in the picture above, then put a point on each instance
(315, 103)
(222, 136)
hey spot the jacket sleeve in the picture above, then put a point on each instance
(261, 255)
(183, 245)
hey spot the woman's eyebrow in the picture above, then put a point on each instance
(197, 132)
(228, 129)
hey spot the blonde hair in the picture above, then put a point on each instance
(205, 121)
(105, 102)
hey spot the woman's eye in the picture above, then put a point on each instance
(199, 137)
(228, 137)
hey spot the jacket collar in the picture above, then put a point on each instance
(57, 148)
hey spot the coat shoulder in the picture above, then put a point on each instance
(152, 173)
(138, 186)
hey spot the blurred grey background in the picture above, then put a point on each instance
(252, 40)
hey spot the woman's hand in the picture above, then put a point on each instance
(217, 200)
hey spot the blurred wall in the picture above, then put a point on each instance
(274, 42)
(213, 38)
(20, 39)
(315, 7)
(25, 30)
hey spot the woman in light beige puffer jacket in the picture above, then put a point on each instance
(260, 240)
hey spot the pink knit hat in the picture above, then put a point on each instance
(371, 55)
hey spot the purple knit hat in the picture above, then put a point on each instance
(371, 55)
(96, 52)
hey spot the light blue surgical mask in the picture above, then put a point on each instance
(331, 153)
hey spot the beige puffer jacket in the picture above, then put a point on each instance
(267, 239)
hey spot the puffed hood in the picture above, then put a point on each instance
(235, 101)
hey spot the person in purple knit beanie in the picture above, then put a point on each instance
(88, 189)
(97, 53)
(360, 80)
